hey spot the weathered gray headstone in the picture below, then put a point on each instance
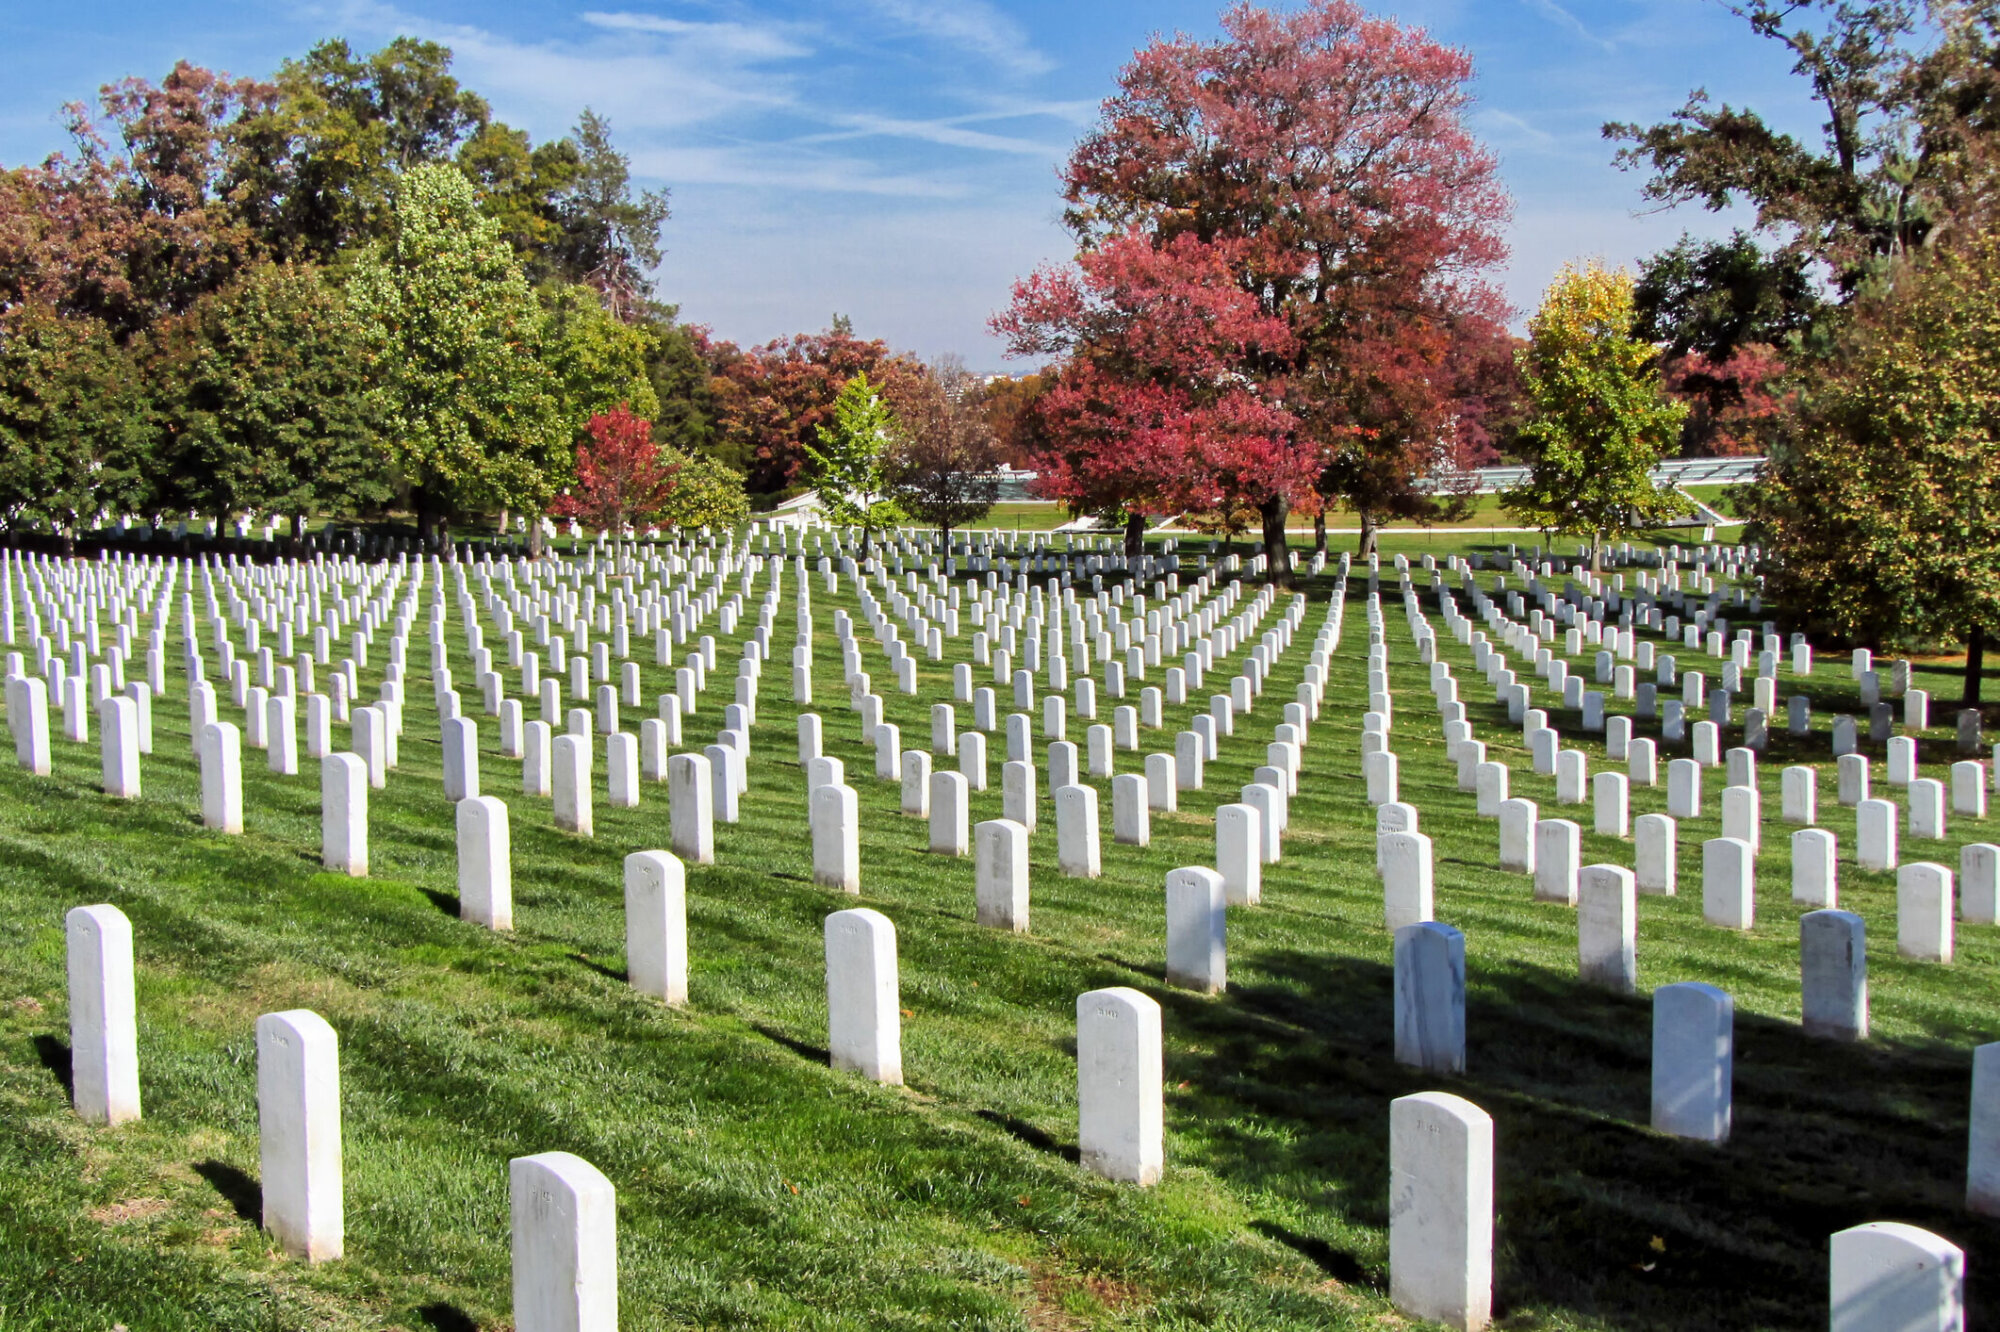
(1924, 912)
(1656, 854)
(656, 956)
(1875, 835)
(1558, 857)
(1430, 997)
(1694, 1049)
(1833, 972)
(485, 863)
(1077, 832)
(1000, 875)
(222, 777)
(569, 764)
(1197, 949)
(950, 817)
(1407, 890)
(1441, 1210)
(1886, 1276)
(836, 838)
(1607, 927)
(1815, 872)
(691, 808)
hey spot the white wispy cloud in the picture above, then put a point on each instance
(1505, 126)
(1561, 17)
(949, 131)
(771, 41)
(770, 167)
(667, 76)
(969, 25)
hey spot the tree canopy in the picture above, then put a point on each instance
(1882, 500)
(1308, 180)
(1600, 419)
(472, 413)
(336, 290)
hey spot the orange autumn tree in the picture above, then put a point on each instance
(621, 477)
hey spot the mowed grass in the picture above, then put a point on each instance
(759, 1189)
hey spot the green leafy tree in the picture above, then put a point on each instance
(1882, 503)
(1909, 94)
(685, 381)
(474, 417)
(597, 362)
(519, 182)
(350, 126)
(1716, 297)
(1601, 419)
(848, 466)
(609, 237)
(73, 436)
(706, 493)
(263, 402)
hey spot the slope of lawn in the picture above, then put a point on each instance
(757, 1188)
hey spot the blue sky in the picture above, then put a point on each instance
(895, 160)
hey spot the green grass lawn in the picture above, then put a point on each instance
(1024, 516)
(759, 1189)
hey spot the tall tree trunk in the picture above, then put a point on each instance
(1597, 552)
(1975, 662)
(1277, 551)
(537, 539)
(1366, 546)
(426, 515)
(1135, 534)
(1319, 532)
(444, 538)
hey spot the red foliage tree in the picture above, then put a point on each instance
(772, 399)
(620, 477)
(1732, 404)
(1150, 414)
(130, 239)
(1009, 403)
(1492, 404)
(1316, 166)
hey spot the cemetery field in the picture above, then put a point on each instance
(759, 1188)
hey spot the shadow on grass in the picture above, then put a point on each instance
(1599, 1216)
(55, 1056)
(447, 1318)
(447, 903)
(618, 974)
(1342, 1266)
(241, 1192)
(818, 1054)
(1034, 1137)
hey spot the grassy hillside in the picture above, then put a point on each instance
(759, 1189)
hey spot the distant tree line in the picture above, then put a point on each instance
(349, 291)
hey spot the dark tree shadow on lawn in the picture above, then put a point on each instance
(1288, 1092)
